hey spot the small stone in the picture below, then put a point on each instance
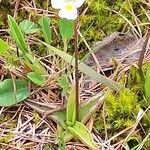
(118, 46)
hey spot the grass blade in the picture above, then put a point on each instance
(86, 69)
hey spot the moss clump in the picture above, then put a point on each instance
(106, 16)
(6, 7)
(50, 146)
(135, 83)
(6, 117)
(120, 111)
(147, 143)
(36, 117)
(7, 137)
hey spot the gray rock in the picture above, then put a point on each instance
(119, 46)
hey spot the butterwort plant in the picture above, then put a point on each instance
(71, 122)
(68, 14)
(68, 10)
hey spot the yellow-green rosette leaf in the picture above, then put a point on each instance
(28, 27)
(80, 131)
(71, 108)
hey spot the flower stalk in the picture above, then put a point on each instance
(76, 71)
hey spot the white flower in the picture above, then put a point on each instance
(68, 8)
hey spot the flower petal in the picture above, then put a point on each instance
(57, 4)
(79, 3)
(70, 15)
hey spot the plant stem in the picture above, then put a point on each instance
(76, 71)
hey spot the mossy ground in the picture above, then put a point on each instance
(120, 111)
(102, 18)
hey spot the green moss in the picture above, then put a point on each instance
(41, 4)
(50, 147)
(135, 84)
(102, 19)
(120, 111)
(36, 117)
(146, 122)
(147, 144)
(7, 137)
(6, 117)
(6, 7)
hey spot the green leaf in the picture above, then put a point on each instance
(86, 69)
(147, 85)
(3, 46)
(7, 94)
(65, 134)
(33, 63)
(71, 108)
(89, 108)
(60, 118)
(83, 134)
(36, 78)
(28, 59)
(46, 30)
(66, 28)
(63, 81)
(17, 35)
(28, 27)
(60, 138)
